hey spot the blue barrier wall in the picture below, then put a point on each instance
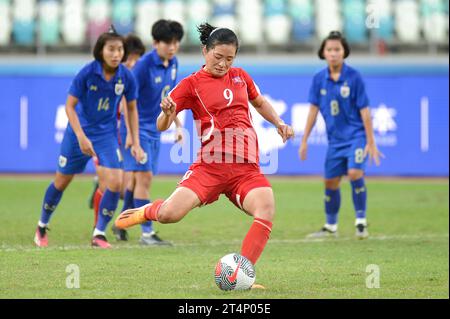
(410, 109)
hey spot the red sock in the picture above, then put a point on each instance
(256, 239)
(151, 212)
(97, 199)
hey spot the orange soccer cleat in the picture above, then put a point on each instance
(131, 217)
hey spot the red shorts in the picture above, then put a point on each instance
(209, 181)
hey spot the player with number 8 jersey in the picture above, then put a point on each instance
(338, 93)
(218, 96)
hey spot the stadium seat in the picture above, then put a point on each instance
(328, 17)
(278, 29)
(198, 11)
(123, 16)
(223, 7)
(382, 22)
(250, 25)
(226, 21)
(49, 22)
(407, 23)
(24, 24)
(274, 7)
(174, 10)
(98, 13)
(224, 14)
(147, 13)
(354, 20)
(73, 26)
(277, 24)
(5, 22)
(435, 21)
(302, 15)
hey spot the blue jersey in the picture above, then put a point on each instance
(99, 99)
(340, 104)
(154, 82)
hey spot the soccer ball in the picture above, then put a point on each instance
(234, 272)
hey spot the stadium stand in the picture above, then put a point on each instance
(273, 24)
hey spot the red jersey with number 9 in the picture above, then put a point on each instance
(220, 107)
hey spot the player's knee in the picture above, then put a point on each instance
(168, 214)
(62, 181)
(114, 184)
(144, 179)
(265, 211)
(354, 175)
(332, 183)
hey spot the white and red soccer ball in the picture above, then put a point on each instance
(234, 272)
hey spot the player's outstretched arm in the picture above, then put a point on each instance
(312, 116)
(371, 148)
(268, 113)
(85, 144)
(168, 114)
(133, 129)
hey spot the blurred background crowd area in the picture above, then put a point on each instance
(376, 27)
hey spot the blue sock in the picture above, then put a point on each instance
(128, 200)
(332, 205)
(107, 208)
(359, 193)
(146, 227)
(51, 200)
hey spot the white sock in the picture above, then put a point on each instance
(332, 228)
(148, 234)
(98, 232)
(361, 221)
(42, 225)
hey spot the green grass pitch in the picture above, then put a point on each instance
(409, 226)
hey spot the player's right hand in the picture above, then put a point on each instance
(86, 146)
(168, 106)
(128, 141)
(137, 152)
(303, 150)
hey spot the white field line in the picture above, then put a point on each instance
(29, 248)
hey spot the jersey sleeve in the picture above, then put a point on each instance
(182, 95)
(131, 92)
(314, 92)
(79, 84)
(252, 91)
(362, 100)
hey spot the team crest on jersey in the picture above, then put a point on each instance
(62, 161)
(237, 80)
(158, 79)
(174, 73)
(345, 90)
(119, 88)
(323, 92)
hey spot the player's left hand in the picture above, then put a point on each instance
(286, 132)
(374, 153)
(137, 152)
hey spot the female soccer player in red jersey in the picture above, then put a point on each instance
(228, 162)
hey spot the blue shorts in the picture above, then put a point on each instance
(73, 161)
(151, 154)
(340, 159)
